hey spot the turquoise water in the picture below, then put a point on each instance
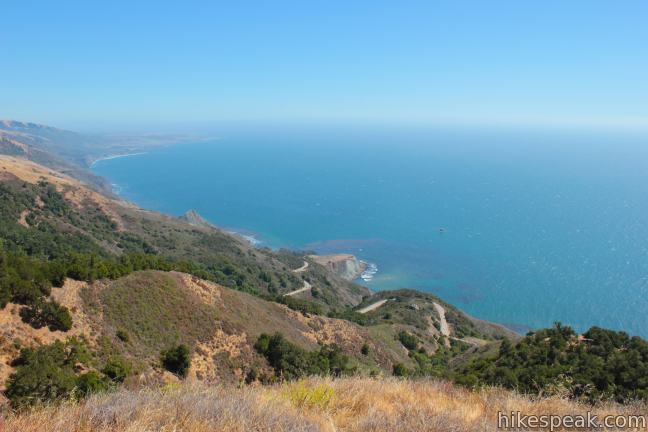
(522, 228)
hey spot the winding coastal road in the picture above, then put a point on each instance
(307, 286)
(302, 268)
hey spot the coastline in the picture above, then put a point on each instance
(353, 268)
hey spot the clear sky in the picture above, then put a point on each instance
(111, 64)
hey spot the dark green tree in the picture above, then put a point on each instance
(177, 360)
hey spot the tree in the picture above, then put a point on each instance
(46, 373)
(177, 360)
(602, 364)
(290, 361)
(47, 313)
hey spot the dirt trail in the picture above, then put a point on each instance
(302, 268)
(307, 286)
(372, 306)
(444, 327)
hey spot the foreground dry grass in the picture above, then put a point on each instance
(354, 404)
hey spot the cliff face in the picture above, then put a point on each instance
(193, 218)
(344, 265)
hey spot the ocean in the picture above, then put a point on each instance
(519, 227)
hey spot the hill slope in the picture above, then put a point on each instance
(51, 216)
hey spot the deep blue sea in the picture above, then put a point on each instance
(519, 227)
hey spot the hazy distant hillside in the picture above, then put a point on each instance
(70, 146)
(70, 152)
(39, 149)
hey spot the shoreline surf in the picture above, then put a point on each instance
(110, 157)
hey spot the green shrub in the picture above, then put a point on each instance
(400, 370)
(365, 349)
(117, 369)
(122, 335)
(600, 365)
(177, 360)
(290, 361)
(354, 316)
(303, 306)
(45, 374)
(91, 382)
(408, 340)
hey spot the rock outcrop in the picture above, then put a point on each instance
(346, 266)
(193, 218)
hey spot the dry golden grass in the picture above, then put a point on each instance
(316, 404)
(75, 191)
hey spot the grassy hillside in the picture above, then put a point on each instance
(38, 150)
(157, 310)
(353, 405)
(417, 310)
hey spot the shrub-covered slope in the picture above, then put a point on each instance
(47, 214)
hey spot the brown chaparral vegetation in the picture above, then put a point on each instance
(313, 404)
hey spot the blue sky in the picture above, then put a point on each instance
(83, 64)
